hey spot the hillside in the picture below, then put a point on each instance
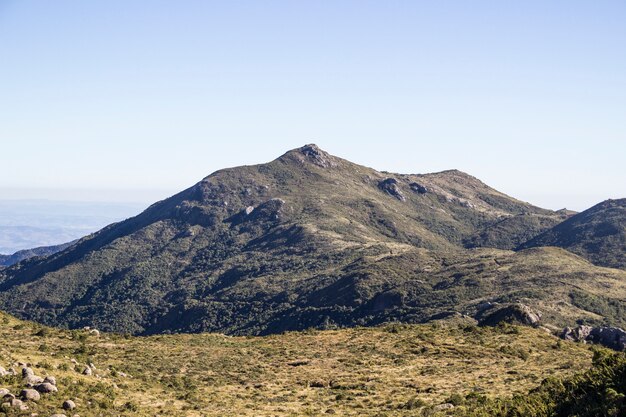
(395, 370)
(597, 234)
(312, 240)
(8, 260)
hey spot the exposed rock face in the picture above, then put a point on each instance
(317, 156)
(390, 186)
(418, 188)
(611, 337)
(511, 313)
(577, 334)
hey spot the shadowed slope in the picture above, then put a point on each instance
(598, 234)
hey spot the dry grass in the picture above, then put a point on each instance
(385, 371)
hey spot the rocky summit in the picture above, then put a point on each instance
(313, 240)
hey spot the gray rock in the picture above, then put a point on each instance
(578, 334)
(418, 188)
(14, 403)
(26, 372)
(4, 391)
(8, 397)
(512, 313)
(611, 337)
(51, 380)
(442, 407)
(58, 415)
(3, 372)
(46, 388)
(30, 395)
(33, 380)
(317, 156)
(390, 186)
(87, 371)
(69, 405)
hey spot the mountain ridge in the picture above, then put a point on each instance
(309, 240)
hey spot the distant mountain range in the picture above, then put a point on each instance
(313, 240)
(26, 224)
(19, 256)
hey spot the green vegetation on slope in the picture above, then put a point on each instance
(308, 240)
(597, 234)
(599, 392)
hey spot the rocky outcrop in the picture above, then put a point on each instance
(510, 313)
(390, 186)
(317, 156)
(418, 188)
(611, 337)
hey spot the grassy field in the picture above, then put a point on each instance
(391, 370)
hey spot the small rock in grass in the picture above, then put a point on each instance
(69, 405)
(30, 395)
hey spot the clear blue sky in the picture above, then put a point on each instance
(138, 99)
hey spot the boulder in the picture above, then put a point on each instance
(611, 337)
(26, 372)
(33, 380)
(577, 334)
(14, 403)
(46, 388)
(442, 407)
(4, 391)
(30, 395)
(87, 371)
(58, 415)
(512, 313)
(69, 405)
(51, 380)
(3, 372)
(391, 187)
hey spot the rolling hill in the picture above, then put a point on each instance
(597, 234)
(313, 240)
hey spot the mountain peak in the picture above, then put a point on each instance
(313, 154)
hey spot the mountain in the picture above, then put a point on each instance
(8, 260)
(597, 234)
(312, 240)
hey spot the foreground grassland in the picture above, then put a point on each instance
(386, 371)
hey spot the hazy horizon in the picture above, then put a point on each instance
(119, 101)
